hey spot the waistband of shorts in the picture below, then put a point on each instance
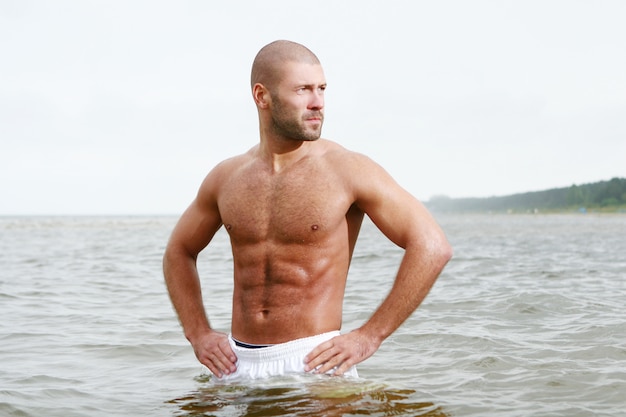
(296, 347)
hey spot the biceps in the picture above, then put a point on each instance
(196, 228)
(398, 215)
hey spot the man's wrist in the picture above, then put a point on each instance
(195, 334)
(372, 334)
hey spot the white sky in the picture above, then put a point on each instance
(122, 107)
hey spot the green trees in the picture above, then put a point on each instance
(602, 195)
(612, 193)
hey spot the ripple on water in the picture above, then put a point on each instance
(304, 395)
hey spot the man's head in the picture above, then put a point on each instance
(288, 86)
(270, 62)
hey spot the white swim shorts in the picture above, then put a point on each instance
(275, 360)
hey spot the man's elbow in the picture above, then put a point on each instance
(168, 253)
(167, 262)
(440, 251)
(433, 250)
(445, 252)
(172, 256)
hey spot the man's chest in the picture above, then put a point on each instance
(290, 208)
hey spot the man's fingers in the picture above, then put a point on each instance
(227, 352)
(326, 357)
(318, 350)
(219, 364)
(226, 360)
(339, 354)
(214, 370)
(318, 356)
(335, 361)
(343, 368)
(215, 353)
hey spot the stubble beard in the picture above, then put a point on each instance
(294, 128)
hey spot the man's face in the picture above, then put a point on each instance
(298, 102)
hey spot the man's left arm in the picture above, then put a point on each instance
(407, 223)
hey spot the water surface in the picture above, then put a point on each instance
(527, 320)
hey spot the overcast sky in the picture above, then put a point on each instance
(122, 107)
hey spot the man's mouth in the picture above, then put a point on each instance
(314, 118)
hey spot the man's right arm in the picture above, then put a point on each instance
(193, 232)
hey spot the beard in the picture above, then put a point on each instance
(293, 127)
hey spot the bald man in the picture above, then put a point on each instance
(293, 206)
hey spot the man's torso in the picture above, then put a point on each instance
(292, 234)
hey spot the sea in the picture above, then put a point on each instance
(527, 319)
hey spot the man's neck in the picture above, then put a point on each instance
(280, 153)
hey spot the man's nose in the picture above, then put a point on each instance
(317, 100)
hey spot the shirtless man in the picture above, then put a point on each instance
(293, 206)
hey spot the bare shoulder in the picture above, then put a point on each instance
(359, 171)
(221, 173)
(346, 161)
(396, 212)
(228, 166)
(202, 218)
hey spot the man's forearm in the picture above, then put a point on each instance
(183, 285)
(417, 273)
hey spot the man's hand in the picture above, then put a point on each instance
(341, 352)
(213, 350)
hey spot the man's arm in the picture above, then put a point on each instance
(407, 223)
(194, 231)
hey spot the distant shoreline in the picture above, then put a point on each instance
(574, 211)
(600, 197)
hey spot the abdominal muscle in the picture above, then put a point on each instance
(287, 292)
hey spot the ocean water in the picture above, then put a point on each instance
(527, 320)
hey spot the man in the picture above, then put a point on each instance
(293, 206)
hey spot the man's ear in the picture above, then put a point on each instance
(261, 96)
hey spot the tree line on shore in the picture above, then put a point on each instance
(603, 195)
